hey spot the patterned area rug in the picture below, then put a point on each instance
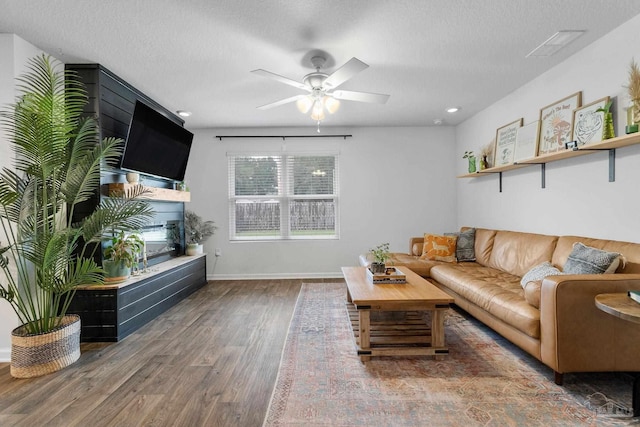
(484, 381)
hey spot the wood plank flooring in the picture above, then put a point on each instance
(211, 360)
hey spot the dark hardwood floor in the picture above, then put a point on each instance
(211, 360)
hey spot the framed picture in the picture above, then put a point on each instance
(588, 124)
(556, 124)
(506, 143)
(527, 141)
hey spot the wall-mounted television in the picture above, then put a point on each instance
(156, 145)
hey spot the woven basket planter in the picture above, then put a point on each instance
(41, 354)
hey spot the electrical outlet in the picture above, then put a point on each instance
(218, 252)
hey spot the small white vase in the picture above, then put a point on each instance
(133, 178)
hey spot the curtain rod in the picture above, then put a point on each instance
(284, 137)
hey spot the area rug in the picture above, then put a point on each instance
(484, 381)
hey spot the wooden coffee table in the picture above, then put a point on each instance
(405, 333)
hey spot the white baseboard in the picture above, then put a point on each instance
(274, 276)
(5, 355)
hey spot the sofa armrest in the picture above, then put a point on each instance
(416, 241)
(576, 336)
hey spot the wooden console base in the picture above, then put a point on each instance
(110, 312)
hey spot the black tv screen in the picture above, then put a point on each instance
(156, 145)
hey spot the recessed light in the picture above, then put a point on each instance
(183, 113)
(437, 122)
(453, 109)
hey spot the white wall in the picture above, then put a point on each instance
(407, 167)
(14, 53)
(578, 198)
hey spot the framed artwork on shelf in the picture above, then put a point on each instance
(588, 123)
(527, 141)
(506, 143)
(556, 124)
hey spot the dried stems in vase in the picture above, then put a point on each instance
(634, 89)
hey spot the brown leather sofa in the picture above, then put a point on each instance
(557, 322)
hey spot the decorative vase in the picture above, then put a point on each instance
(483, 162)
(194, 249)
(41, 354)
(607, 131)
(377, 267)
(633, 118)
(133, 178)
(472, 164)
(115, 271)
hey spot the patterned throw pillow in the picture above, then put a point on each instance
(587, 260)
(440, 248)
(465, 247)
(539, 272)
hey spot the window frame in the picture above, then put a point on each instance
(283, 198)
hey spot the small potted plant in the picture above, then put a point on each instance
(196, 232)
(380, 255)
(120, 255)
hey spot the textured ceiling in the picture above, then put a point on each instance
(197, 55)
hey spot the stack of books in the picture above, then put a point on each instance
(634, 295)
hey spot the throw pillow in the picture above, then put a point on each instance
(587, 260)
(539, 272)
(465, 247)
(440, 248)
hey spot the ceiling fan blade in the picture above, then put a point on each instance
(281, 79)
(281, 102)
(344, 73)
(350, 95)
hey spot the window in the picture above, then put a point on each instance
(283, 197)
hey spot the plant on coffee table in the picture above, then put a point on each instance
(380, 255)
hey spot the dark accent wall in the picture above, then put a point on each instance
(113, 313)
(112, 101)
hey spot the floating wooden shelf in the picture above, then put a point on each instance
(155, 193)
(606, 145)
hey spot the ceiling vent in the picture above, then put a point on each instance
(555, 43)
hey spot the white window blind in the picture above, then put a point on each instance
(283, 196)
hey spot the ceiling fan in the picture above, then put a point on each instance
(321, 88)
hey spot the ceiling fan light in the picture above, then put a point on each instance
(331, 104)
(318, 111)
(304, 104)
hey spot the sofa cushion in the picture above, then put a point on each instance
(439, 248)
(416, 249)
(483, 245)
(631, 251)
(419, 266)
(532, 292)
(539, 272)
(515, 252)
(497, 292)
(465, 251)
(588, 260)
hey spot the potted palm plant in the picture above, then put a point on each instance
(44, 254)
(196, 231)
(120, 254)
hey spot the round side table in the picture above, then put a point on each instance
(623, 307)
